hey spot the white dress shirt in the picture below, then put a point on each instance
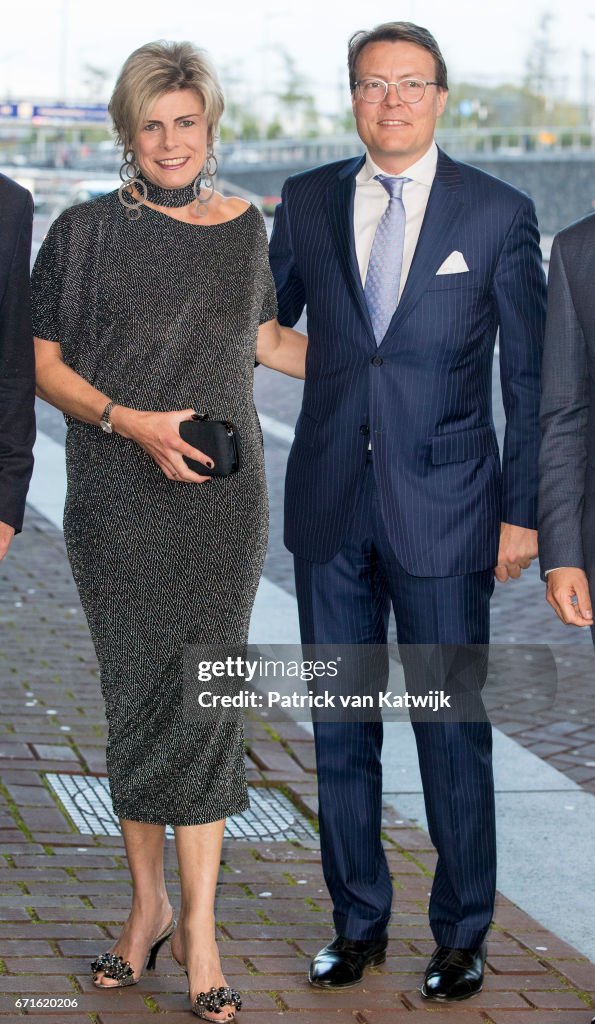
(371, 200)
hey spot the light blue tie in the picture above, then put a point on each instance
(386, 258)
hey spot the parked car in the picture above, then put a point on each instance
(85, 190)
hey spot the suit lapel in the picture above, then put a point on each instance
(445, 205)
(340, 199)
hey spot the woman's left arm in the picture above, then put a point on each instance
(282, 348)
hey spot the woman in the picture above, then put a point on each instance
(149, 303)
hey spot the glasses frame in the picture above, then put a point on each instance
(357, 87)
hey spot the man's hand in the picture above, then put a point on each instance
(518, 547)
(564, 585)
(6, 535)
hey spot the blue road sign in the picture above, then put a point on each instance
(52, 113)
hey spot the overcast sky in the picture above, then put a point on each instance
(486, 41)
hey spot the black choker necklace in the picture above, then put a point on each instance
(169, 196)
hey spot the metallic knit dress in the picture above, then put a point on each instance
(161, 315)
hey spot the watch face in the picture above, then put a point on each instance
(106, 425)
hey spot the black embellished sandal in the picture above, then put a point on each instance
(214, 1000)
(111, 965)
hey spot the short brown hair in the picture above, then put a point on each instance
(396, 32)
(157, 68)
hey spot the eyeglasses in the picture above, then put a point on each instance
(375, 90)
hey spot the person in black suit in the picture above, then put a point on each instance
(567, 454)
(408, 262)
(17, 367)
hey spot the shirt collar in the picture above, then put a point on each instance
(422, 171)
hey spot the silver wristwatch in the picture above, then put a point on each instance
(104, 422)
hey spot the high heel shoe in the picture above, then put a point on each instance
(113, 966)
(214, 1000)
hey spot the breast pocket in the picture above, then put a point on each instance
(446, 282)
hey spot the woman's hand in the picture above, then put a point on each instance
(159, 434)
(156, 432)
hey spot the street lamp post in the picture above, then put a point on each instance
(64, 34)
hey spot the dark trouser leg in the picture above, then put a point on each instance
(454, 756)
(456, 769)
(345, 601)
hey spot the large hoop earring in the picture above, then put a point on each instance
(205, 181)
(129, 175)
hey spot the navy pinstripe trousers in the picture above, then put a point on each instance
(347, 600)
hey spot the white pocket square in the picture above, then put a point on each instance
(454, 264)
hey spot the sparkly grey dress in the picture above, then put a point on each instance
(161, 315)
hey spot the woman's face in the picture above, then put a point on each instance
(171, 145)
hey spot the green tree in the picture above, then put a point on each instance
(540, 59)
(296, 100)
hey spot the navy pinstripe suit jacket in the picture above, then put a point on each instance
(424, 393)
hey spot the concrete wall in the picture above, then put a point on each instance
(562, 187)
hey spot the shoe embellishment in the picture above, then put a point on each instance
(113, 966)
(215, 999)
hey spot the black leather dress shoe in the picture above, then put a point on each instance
(454, 973)
(342, 962)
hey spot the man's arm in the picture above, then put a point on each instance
(291, 295)
(17, 385)
(563, 453)
(520, 293)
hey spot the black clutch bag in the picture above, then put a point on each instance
(216, 438)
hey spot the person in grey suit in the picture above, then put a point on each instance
(567, 454)
(17, 369)
(566, 510)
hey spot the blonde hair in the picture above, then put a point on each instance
(157, 68)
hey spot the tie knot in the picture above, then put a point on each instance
(394, 186)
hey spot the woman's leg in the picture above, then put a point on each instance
(194, 945)
(151, 910)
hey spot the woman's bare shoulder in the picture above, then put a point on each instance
(231, 207)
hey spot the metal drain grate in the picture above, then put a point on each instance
(270, 817)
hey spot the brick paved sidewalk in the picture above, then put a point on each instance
(64, 895)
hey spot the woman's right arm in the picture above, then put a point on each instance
(156, 432)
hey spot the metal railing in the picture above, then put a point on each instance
(531, 142)
(515, 141)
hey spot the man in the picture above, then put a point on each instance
(17, 369)
(408, 263)
(567, 456)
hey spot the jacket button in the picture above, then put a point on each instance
(377, 361)
(364, 429)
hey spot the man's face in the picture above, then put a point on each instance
(397, 133)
